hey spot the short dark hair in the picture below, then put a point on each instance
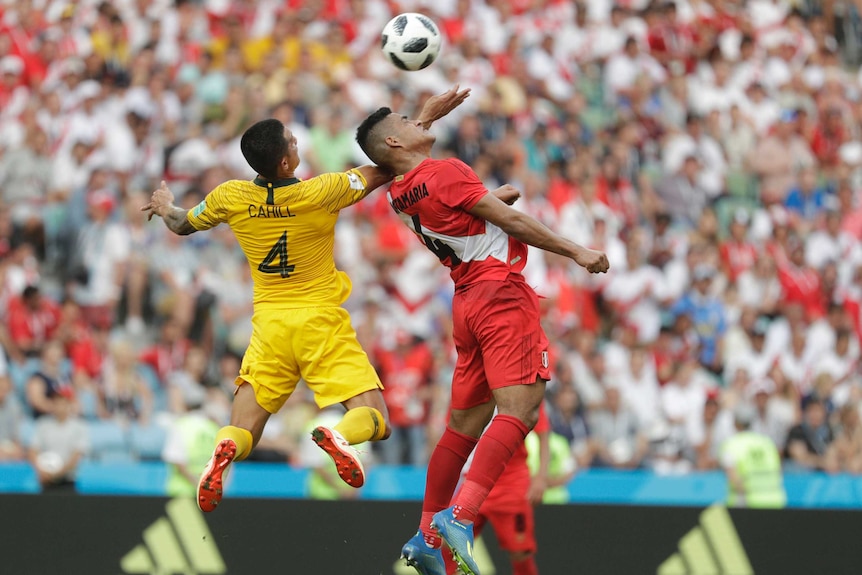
(263, 146)
(30, 292)
(368, 138)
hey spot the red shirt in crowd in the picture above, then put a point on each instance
(165, 358)
(737, 257)
(802, 285)
(825, 144)
(406, 372)
(30, 327)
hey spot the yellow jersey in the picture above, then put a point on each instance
(286, 230)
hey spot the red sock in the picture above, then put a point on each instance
(525, 566)
(448, 562)
(444, 470)
(493, 452)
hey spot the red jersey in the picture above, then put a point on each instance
(802, 285)
(404, 376)
(433, 199)
(32, 328)
(738, 257)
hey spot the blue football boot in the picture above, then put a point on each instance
(459, 537)
(426, 560)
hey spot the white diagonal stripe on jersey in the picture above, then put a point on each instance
(494, 243)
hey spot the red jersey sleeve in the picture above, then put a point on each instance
(17, 325)
(459, 186)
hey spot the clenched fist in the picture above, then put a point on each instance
(593, 261)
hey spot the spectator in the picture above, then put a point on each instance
(624, 68)
(799, 283)
(794, 364)
(707, 314)
(567, 417)
(807, 200)
(848, 440)
(757, 361)
(60, 441)
(753, 466)
(33, 320)
(738, 253)
(830, 244)
(759, 286)
(124, 393)
(103, 248)
(11, 416)
(640, 388)
(694, 142)
(52, 378)
(778, 157)
(188, 446)
(808, 443)
(167, 354)
(683, 398)
(682, 195)
(25, 175)
(771, 418)
(637, 293)
(828, 136)
(842, 366)
(738, 139)
(407, 372)
(615, 433)
(706, 434)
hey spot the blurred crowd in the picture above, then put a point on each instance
(713, 149)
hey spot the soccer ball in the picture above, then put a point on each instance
(411, 41)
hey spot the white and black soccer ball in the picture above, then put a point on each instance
(411, 41)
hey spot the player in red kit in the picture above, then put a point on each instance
(509, 506)
(502, 349)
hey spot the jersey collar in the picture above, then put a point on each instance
(264, 183)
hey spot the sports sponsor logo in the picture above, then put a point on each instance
(180, 542)
(355, 182)
(711, 548)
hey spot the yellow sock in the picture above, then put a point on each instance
(242, 438)
(362, 424)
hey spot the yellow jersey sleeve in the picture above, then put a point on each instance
(212, 211)
(336, 191)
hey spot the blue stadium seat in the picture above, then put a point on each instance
(394, 482)
(147, 441)
(147, 478)
(88, 400)
(109, 442)
(19, 374)
(160, 397)
(25, 431)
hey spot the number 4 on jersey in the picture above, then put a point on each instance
(437, 247)
(278, 252)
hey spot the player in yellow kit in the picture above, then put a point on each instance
(286, 229)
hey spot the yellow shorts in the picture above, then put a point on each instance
(317, 345)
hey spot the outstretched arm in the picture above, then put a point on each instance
(532, 232)
(162, 205)
(438, 106)
(375, 176)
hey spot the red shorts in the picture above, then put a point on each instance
(514, 527)
(499, 338)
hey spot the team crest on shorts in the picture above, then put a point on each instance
(545, 359)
